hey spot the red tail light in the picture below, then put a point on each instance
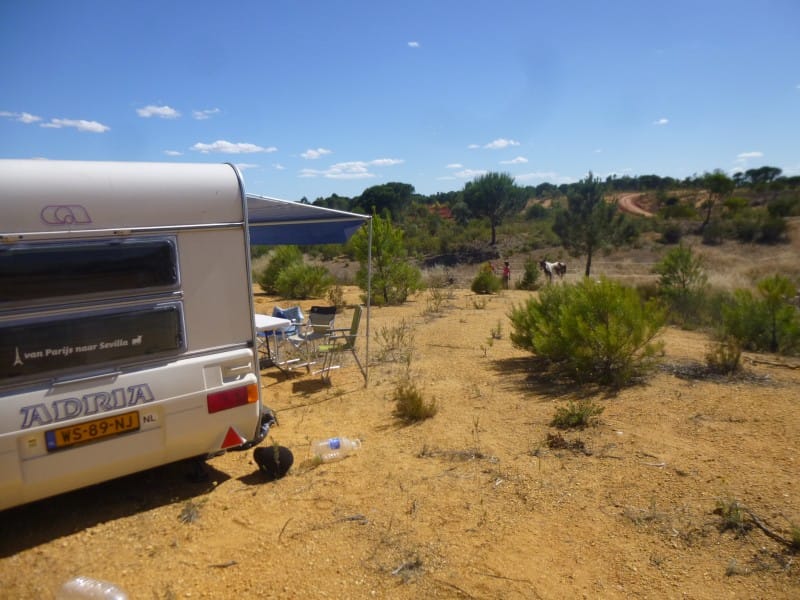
(232, 398)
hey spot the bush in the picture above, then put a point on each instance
(747, 226)
(725, 357)
(714, 233)
(773, 230)
(395, 343)
(671, 234)
(394, 278)
(593, 331)
(301, 281)
(682, 284)
(767, 322)
(679, 210)
(281, 259)
(486, 282)
(335, 296)
(530, 276)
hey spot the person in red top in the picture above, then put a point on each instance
(506, 274)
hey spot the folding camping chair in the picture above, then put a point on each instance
(282, 357)
(339, 341)
(318, 327)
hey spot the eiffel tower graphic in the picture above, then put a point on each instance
(17, 359)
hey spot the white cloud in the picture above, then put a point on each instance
(245, 166)
(661, 121)
(746, 155)
(743, 158)
(79, 124)
(543, 175)
(278, 167)
(163, 112)
(413, 44)
(350, 170)
(386, 162)
(173, 153)
(455, 166)
(28, 118)
(598, 151)
(519, 160)
(225, 147)
(501, 143)
(473, 146)
(315, 153)
(470, 173)
(23, 117)
(202, 115)
(345, 170)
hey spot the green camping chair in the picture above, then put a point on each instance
(339, 341)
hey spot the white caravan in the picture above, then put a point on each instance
(126, 321)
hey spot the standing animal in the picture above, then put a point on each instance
(557, 268)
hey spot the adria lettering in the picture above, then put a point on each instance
(89, 404)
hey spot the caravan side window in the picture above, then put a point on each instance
(88, 304)
(39, 271)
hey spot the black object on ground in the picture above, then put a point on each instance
(273, 461)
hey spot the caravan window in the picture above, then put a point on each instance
(30, 272)
(90, 339)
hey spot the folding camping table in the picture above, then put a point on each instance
(271, 328)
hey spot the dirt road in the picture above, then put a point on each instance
(628, 203)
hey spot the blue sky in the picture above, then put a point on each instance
(312, 98)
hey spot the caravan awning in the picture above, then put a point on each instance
(276, 222)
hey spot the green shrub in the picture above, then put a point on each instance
(682, 284)
(679, 210)
(576, 415)
(592, 331)
(394, 277)
(764, 322)
(535, 211)
(773, 230)
(671, 233)
(714, 233)
(530, 276)
(747, 225)
(784, 206)
(485, 281)
(280, 260)
(301, 281)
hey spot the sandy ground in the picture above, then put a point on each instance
(473, 503)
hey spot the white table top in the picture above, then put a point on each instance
(269, 323)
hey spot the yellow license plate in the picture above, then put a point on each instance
(91, 431)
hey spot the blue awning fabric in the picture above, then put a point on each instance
(274, 222)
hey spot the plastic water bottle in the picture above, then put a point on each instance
(81, 588)
(334, 448)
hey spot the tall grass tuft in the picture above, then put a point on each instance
(576, 415)
(410, 404)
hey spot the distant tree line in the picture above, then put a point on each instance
(398, 197)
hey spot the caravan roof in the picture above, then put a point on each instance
(50, 196)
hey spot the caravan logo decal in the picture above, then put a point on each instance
(65, 214)
(65, 409)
